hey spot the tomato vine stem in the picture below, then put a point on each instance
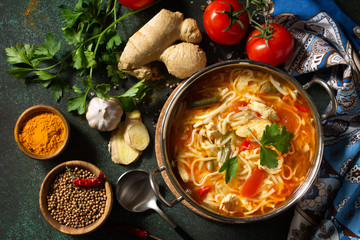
(261, 7)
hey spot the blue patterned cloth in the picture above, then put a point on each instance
(327, 44)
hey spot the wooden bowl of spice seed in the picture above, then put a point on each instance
(75, 197)
(42, 132)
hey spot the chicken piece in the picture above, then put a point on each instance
(265, 111)
(229, 202)
(256, 125)
(211, 131)
(183, 174)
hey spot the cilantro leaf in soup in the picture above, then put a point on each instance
(268, 157)
(230, 168)
(274, 136)
(278, 137)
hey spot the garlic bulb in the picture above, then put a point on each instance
(104, 114)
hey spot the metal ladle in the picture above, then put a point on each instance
(134, 193)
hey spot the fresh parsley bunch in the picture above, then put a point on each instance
(91, 29)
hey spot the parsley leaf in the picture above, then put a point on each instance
(268, 157)
(83, 59)
(58, 86)
(277, 137)
(19, 72)
(68, 16)
(77, 103)
(113, 41)
(130, 98)
(73, 36)
(101, 89)
(18, 54)
(49, 49)
(44, 76)
(230, 165)
(115, 74)
(95, 41)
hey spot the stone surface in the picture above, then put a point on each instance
(28, 22)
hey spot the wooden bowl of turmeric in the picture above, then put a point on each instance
(42, 132)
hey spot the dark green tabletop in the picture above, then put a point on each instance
(28, 22)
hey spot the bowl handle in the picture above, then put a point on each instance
(156, 191)
(329, 91)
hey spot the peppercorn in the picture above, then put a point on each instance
(72, 205)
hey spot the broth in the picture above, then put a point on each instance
(203, 138)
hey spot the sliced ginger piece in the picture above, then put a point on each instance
(121, 152)
(136, 134)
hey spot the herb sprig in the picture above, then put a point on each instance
(262, 7)
(230, 167)
(91, 32)
(277, 137)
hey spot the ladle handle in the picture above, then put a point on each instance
(176, 227)
(156, 191)
(182, 233)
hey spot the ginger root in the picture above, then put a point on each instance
(121, 153)
(136, 135)
(129, 140)
(153, 42)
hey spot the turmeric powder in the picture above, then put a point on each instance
(43, 134)
(32, 5)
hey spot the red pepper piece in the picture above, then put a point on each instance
(258, 114)
(245, 145)
(203, 191)
(301, 109)
(87, 182)
(130, 230)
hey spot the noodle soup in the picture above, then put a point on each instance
(223, 120)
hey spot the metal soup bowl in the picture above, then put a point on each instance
(171, 176)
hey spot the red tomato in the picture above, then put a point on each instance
(280, 47)
(290, 121)
(216, 23)
(135, 4)
(252, 183)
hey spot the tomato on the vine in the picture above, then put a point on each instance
(222, 21)
(279, 48)
(135, 4)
